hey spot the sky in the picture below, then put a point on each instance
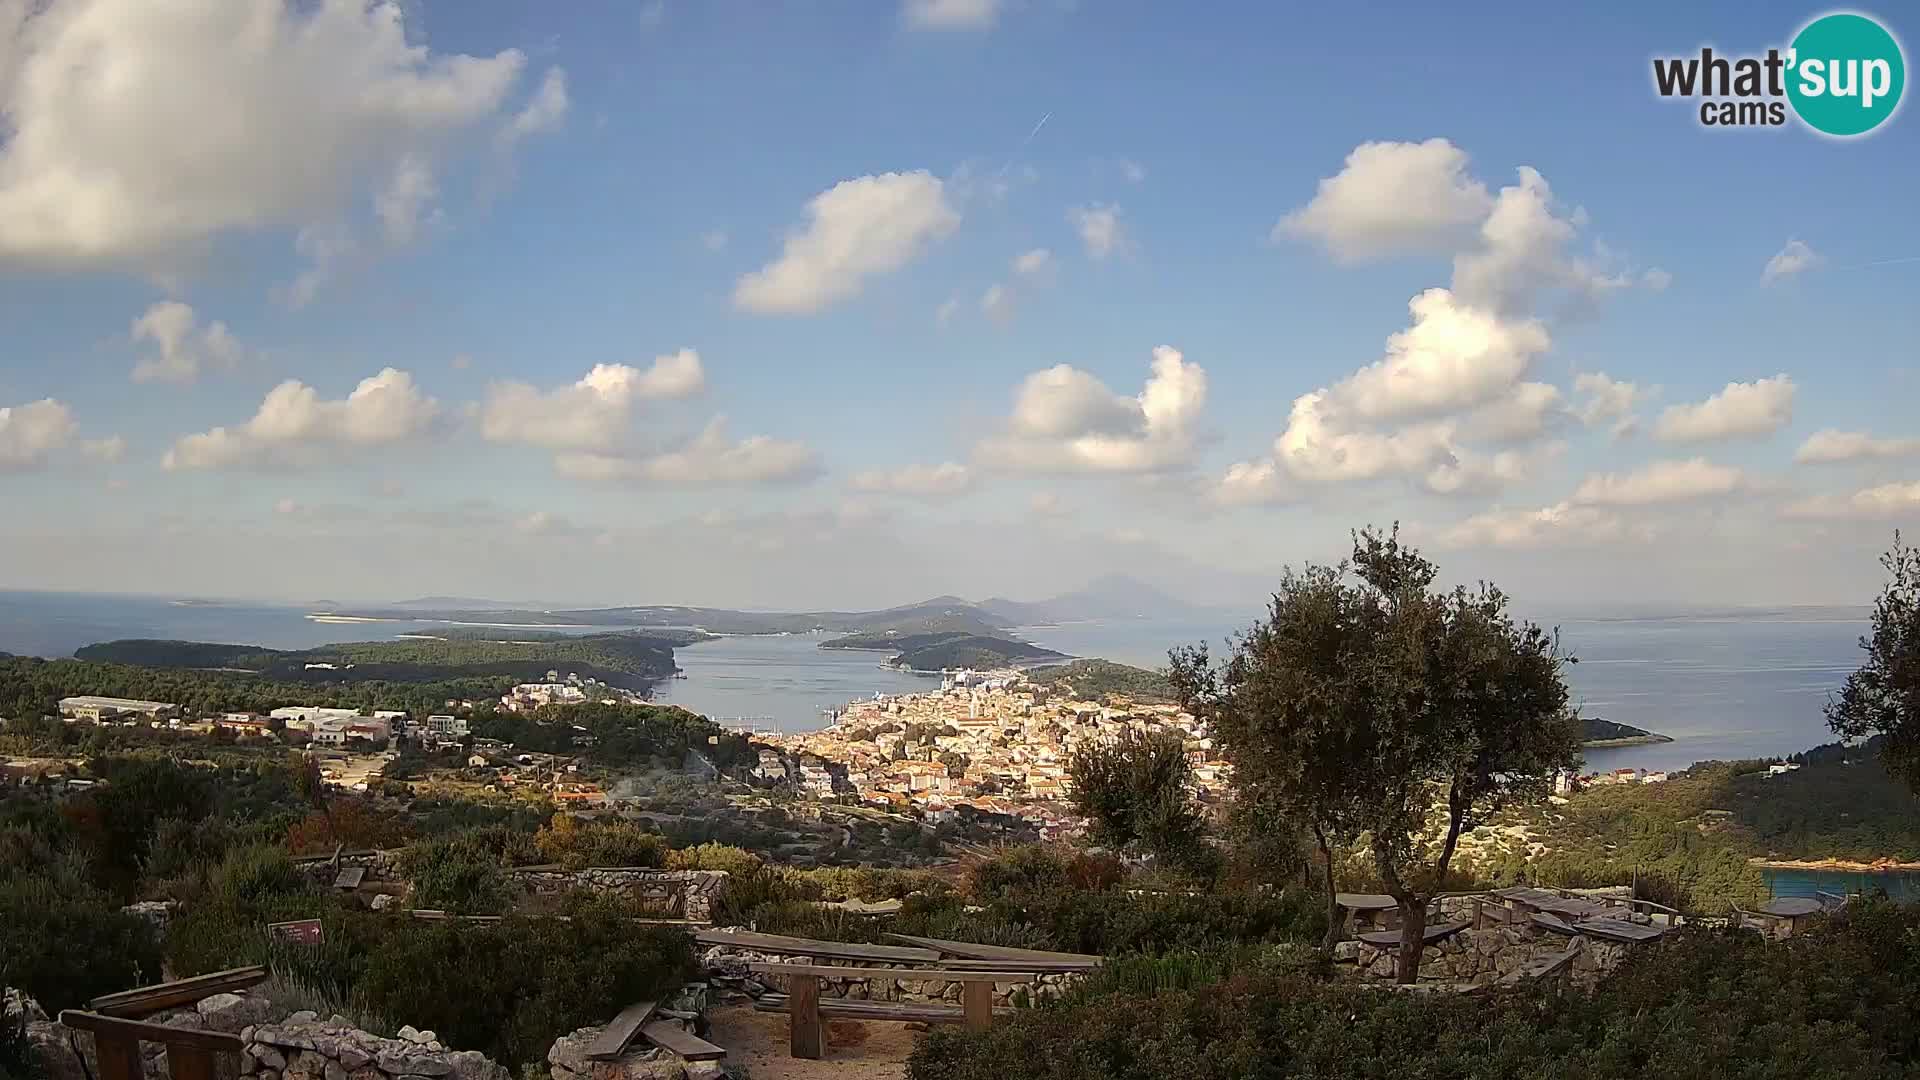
(795, 305)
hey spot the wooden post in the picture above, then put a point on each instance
(803, 1009)
(1479, 920)
(189, 1062)
(976, 1001)
(118, 1055)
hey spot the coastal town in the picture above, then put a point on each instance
(995, 741)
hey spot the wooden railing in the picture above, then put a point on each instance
(116, 1046)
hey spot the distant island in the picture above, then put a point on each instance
(1094, 680)
(1600, 734)
(943, 650)
(630, 661)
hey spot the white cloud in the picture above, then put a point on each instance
(1100, 229)
(1250, 482)
(592, 413)
(141, 131)
(1560, 525)
(110, 449)
(950, 14)
(1133, 171)
(1660, 482)
(1451, 357)
(856, 229)
(1469, 472)
(948, 308)
(294, 425)
(1741, 410)
(1525, 412)
(927, 481)
(186, 348)
(1884, 501)
(1656, 279)
(1046, 504)
(1604, 399)
(707, 458)
(1033, 263)
(28, 433)
(1829, 446)
(1794, 259)
(997, 303)
(544, 112)
(405, 204)
(1392, 198)
(1065, 419)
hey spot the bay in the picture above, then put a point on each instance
(1722, 686)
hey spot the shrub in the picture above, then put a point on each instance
(579, 844)
(1834, 1003)
(460, 874)
(737, 862)
(64, 942)
(229, 903)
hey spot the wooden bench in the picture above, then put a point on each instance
(116, 1045)
(1433, 935)
(148, 1000)
(638, 1020)
(805, 1010)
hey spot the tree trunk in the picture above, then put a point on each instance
(1334, 922)
(1413, 939)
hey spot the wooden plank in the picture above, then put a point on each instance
(1437, 932)
(1619, 930)
(147, 1000)
(976, 1003)
(793, 946)
(669, 1035)
(967, 950)
(939, 974)
(897, 1011)
(614, 1038)
(115, 1027)
(803, 1019)
(189, 1062)
(1043, 967)
(119, 1057)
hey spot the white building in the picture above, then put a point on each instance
(95, 708)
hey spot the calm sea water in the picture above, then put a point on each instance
(1722, 687)
(1898, 885)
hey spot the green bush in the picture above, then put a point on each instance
(64, 942)
(735, 861)
(578, 844)
(228, 904)
(1835, 1003)
(508, 988)
(460, 873)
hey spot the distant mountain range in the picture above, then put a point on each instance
(1114, 596)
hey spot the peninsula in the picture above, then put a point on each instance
(1598, 734)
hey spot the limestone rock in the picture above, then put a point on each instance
(1347, 952)
(232, 1012)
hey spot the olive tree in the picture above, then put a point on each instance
(1883, 697)
(1376, 709)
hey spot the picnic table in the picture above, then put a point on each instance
(1376, 910)
(1544, 901)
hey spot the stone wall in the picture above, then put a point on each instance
(1478, 957)
(689, 893)
(728, 968)
(303, 1047)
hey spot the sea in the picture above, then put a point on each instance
(1721, 685)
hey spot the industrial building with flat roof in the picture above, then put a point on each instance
(90, 707)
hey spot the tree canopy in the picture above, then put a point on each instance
(1883, 696)
(1370, 704)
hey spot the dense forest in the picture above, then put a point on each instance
(971, 651)
(631, 660)
(616, 736)
(1093, 680)
(1697, 832)
(31, 687)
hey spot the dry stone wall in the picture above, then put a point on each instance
(304, 1047)
(728, 968)
(1478, 957)
(691, 893)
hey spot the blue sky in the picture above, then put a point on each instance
(518, 193)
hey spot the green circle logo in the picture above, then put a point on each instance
(1845, 74)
